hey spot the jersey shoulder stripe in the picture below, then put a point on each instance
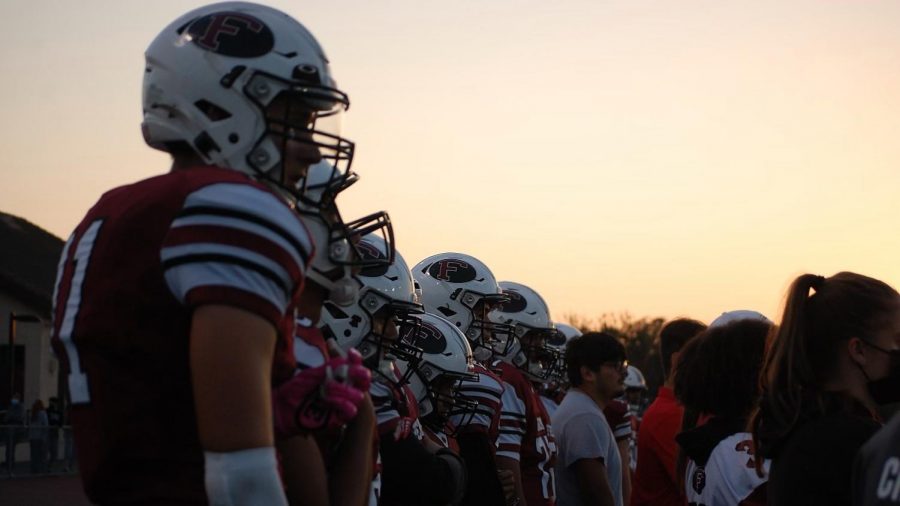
(239, 237)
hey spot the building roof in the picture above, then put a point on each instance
(28, 260)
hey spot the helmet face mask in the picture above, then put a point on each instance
(530, 353)
(528, 315)
(340, 247)
(303, 124)
(558, 378)
(386, 309)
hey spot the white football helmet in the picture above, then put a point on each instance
(529, 317)
(634, 379)
(737, 315)
(211, 75)
(461, 289)
(635, 390)
(338, 252)
(386, 295)
(568, 332)
(446, 356)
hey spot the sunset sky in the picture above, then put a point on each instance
(657, 157)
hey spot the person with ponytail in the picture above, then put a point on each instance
(838, 339)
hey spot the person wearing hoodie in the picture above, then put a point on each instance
(719, 381)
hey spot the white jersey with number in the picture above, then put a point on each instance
(729, 476)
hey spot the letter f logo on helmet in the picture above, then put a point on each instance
(452, 270)
(227, 23)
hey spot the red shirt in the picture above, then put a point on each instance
(655, 483)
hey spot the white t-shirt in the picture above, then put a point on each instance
(582, 433)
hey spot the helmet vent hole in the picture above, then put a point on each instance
(233, 138)
(334, 311)
(446, 311)
(229, 78)
(211, 110)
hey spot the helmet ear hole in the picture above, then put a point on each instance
(335, 311)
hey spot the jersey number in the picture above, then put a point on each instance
(546, 448)
(78, 384)
(747, 446)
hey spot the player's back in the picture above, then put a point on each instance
(123, 328)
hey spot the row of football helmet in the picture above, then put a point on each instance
(246, 87)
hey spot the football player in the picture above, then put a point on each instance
(446, 360)
(526, 445)
(555, 389)
(434, 379)
(413, 469)
(344, 434)
(463, 290)
(180, 290)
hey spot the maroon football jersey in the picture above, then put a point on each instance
(525, 435)
(487, 391)
(129, 277)
(620, 418)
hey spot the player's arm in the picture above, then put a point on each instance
(303, 470)
(231, 358)
(625, 453)
(511, 435)
(512, 466)
(592, 482)
(351, 477)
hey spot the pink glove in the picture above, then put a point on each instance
(292, 398)
(323, 397)
(348, 368)
(346, 382)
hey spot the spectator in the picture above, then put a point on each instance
(816, 410)
(876, 471)
(588, 466)
(720, 381)
(37, 436)
(655, 481)
(13, 421)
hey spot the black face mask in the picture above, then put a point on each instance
(886, 390)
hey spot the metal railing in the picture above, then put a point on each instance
(36, 451)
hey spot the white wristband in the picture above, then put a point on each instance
(244, 478)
